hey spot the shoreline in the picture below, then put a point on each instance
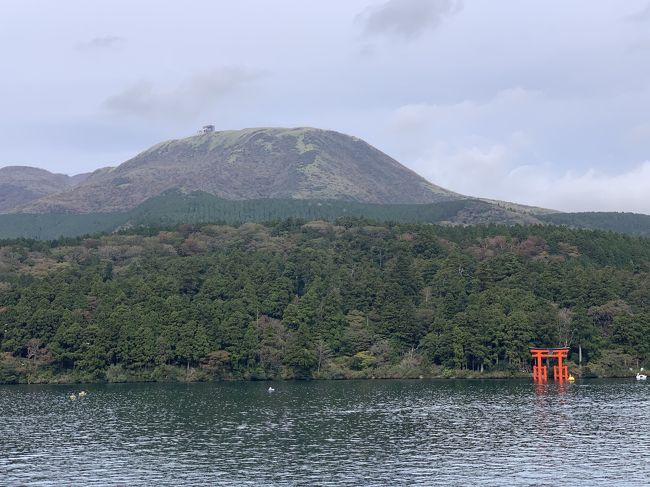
(437, 377)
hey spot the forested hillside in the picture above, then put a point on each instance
(174, 207)
(631, 223)
(314, 299)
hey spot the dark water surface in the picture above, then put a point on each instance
(327, 433)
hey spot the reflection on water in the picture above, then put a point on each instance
(327, 433)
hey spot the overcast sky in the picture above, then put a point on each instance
(540, 102)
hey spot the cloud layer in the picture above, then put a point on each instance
(191, 97)
(523, 145)
(642, 15)
(407, 18)
(101, 43)
(496, 171)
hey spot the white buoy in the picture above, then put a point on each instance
(270, 390)
(72, 397)
(82, 394)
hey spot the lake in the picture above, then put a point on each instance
(373, 432)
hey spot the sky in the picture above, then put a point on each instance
(542, 102)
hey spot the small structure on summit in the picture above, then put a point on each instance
(206, 129)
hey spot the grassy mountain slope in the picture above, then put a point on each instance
(20, 185)
(301, 163)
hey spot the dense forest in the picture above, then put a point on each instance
(297, 299)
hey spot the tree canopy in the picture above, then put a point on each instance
(298, 299)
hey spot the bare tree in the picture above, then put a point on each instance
(565, 329)
(37, 351)
(323, 353)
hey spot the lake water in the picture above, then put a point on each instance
(327, 433)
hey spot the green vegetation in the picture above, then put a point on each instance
(298, 299)
(630, 223)
(173, 208)
(51, 226)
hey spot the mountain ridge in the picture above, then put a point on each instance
(256, 174)
(20, 185)
(300, 163)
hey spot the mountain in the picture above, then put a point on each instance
(299, 163)
(20, 185)
(261, 174)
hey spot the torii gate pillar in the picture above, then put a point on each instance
(539, 371)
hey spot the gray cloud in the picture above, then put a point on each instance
(642, 15)
(642, 46)
(99, 43)
(407, 18)
(188, 99)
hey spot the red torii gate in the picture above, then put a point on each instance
(560, 372)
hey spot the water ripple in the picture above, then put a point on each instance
(327, 433)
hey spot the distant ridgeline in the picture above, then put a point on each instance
(174, 207)
(630, 223)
